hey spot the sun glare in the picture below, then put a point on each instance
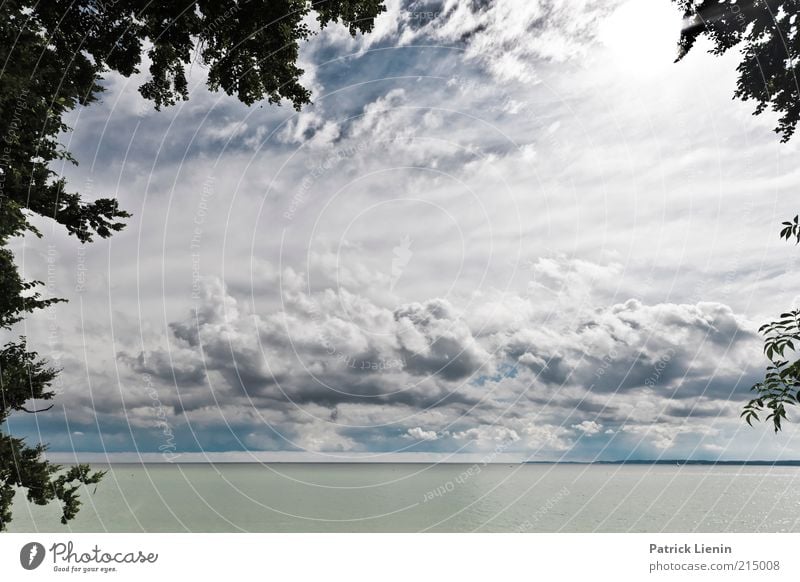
(642, 35)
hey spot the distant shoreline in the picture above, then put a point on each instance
(302, 457)
(673, 462)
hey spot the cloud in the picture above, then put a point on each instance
(332, 362)
(310, 129)
(226, 132)
(435, 341)
(511, 36)
(420, 434)
(588, 427)
(487, 433)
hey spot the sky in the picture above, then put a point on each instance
(514, 228)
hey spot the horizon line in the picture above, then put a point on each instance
(297, 457)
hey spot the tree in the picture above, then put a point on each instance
(766, 33)
(781, 384)
(53, 56)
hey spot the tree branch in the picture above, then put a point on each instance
(23, 409)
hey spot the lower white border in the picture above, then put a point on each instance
(404, 557)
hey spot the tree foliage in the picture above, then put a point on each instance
(24, 377)
(766, 34)
(781, 385)
(53, 55)
(791, 229)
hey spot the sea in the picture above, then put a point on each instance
(442, 497)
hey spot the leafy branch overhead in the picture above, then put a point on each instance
(55, 54)
(766, 35)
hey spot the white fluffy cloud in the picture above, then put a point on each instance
(421, 434)
(511, 36)
(310, 129)
(588, 427)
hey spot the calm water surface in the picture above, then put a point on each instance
(300, 497)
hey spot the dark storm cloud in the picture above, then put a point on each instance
(435, 342)
(423, 357)
(181, 367)
(631, 345)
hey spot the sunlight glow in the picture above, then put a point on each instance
(642, 35)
